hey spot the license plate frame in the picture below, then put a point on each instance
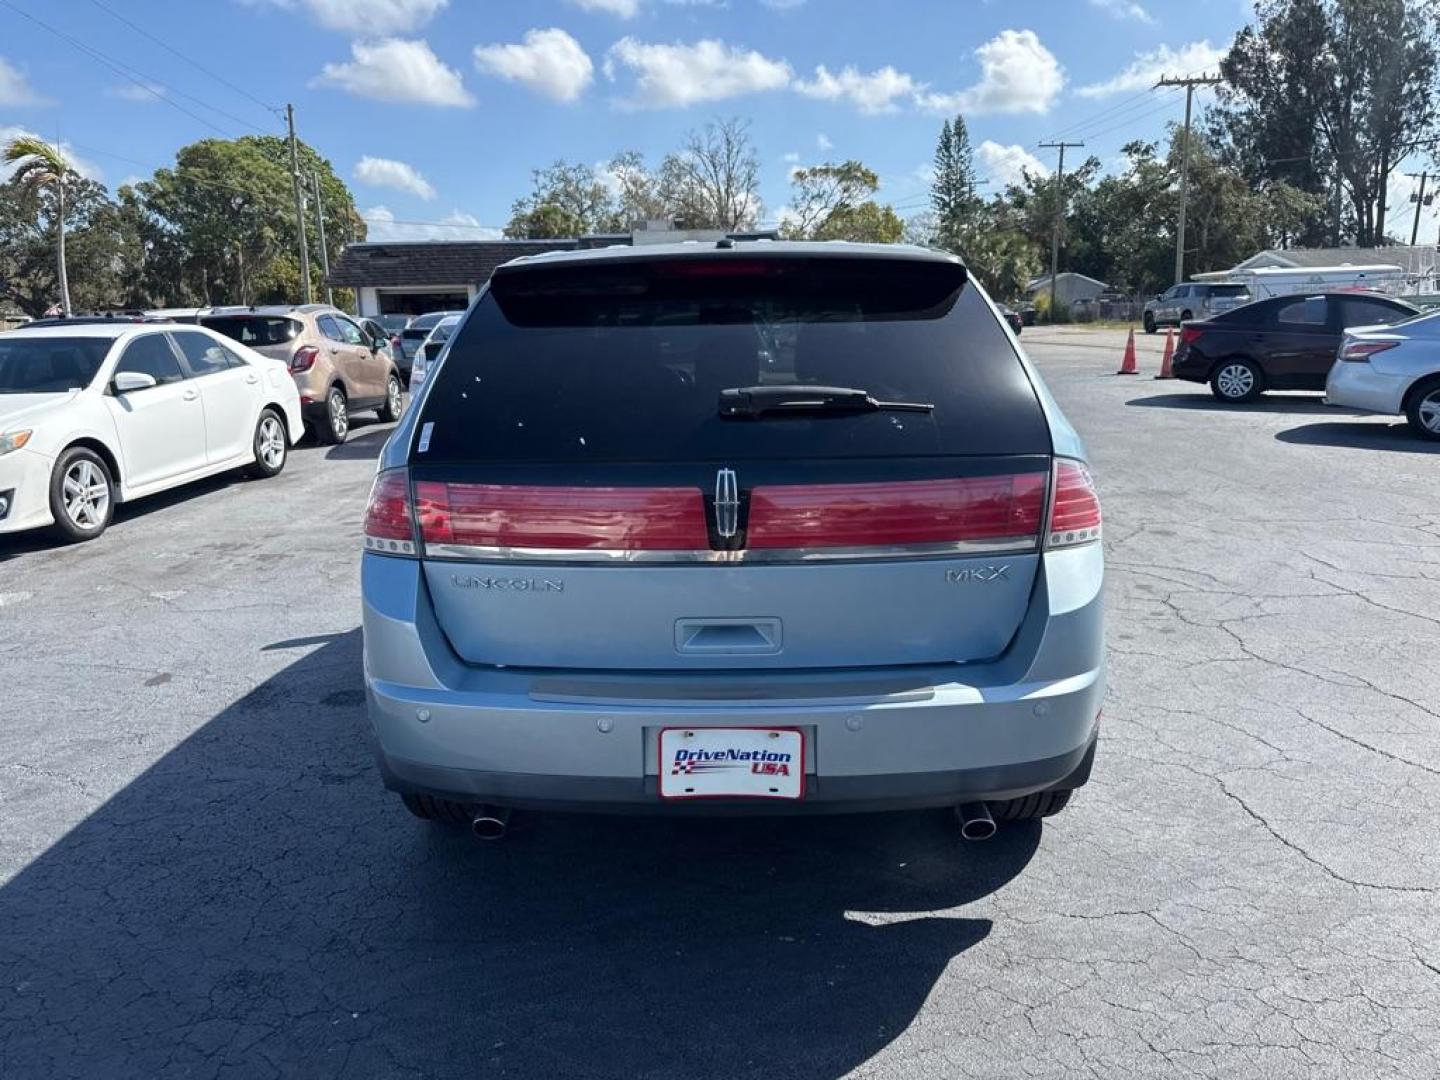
(675, 785)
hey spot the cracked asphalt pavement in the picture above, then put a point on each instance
(200, 875)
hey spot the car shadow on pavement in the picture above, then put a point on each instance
(254, 904)
(1204, 401)
(1396, 438)
(364, 443)
(14, 544)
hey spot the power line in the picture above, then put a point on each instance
(189, 60)
(139, 78)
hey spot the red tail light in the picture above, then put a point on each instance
(389, 526)
(972, 509)
(1190, 334)
(304, 358)
(1361, 351)
(561, 518)
(1074, 507)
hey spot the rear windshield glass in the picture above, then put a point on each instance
(50, 364)
(257, 331)
(1226, 290)
(605, 363)
(425, 323)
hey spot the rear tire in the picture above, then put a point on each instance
(1042, 804)
(333, 425)
(1149, 321)
(1237, 380)
(82, 496)
(394, 406)
(429, 808)
(1186, 316)
(270, 445)
(1422, 409)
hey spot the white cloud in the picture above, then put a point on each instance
(365, 17)
(140, 93)
(1145, 70)
(383, 172)
(872, 93)
(1124, 9)
(791, 158)
(1400, 211)
(550, 62)
(1008, 164)
(783, 5)
(674, 76)
(456, 225)
(626, 9)
(1017, 75)
(83, 166)
(823, 142)
(394, 69)
(15, 89)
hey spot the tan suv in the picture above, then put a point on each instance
(338, 368)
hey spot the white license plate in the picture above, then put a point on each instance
(732, 763)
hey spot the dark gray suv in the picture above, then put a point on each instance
(1195, 300)
(774, 526)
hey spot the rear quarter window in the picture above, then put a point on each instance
(605, 363)
(253, 330)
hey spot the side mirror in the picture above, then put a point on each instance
(126, 382)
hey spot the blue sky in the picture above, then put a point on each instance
(435, 111)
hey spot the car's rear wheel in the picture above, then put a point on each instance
(1237, 380)
(1149, 321)
(270, 444)
(1042, 804)
(334, 425)
(429, 808)
(394, 406)
(1186, 316)
(1422, 409)
(82, 495)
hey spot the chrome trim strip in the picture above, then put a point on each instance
(1013, 545)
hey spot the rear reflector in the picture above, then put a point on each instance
(971, 509)
(1361, 351)
(388, 525)
(1074, 507)
(561, 518)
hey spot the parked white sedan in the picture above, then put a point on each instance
(1391, 369)
(96, 414)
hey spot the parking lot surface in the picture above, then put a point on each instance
(200, 875)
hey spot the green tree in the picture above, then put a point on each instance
(1347, 87)
(566, 199)
(220, 226)
(953, 189)
(834, 202)
(40, 167)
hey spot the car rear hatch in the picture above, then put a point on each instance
(269, 335)
(588, 497)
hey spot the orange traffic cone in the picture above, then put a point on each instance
(1165, 372)
(1128, 366)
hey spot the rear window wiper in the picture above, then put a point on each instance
(748, 402)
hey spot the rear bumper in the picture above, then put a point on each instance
(1355, 385)
(883, 739)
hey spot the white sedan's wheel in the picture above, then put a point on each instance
(271, 447)
(82, 495)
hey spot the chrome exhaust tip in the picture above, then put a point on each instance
(975, 821)
(490, 822)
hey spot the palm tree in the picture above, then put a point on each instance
(38, 166)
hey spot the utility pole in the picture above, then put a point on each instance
(1419, 202)
(299, 206)
(320, 232)
(1059, 216)
(1189, 82)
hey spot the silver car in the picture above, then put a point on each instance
(775, 526)
(1195, 300)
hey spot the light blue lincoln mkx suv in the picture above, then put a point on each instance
(747, 525)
